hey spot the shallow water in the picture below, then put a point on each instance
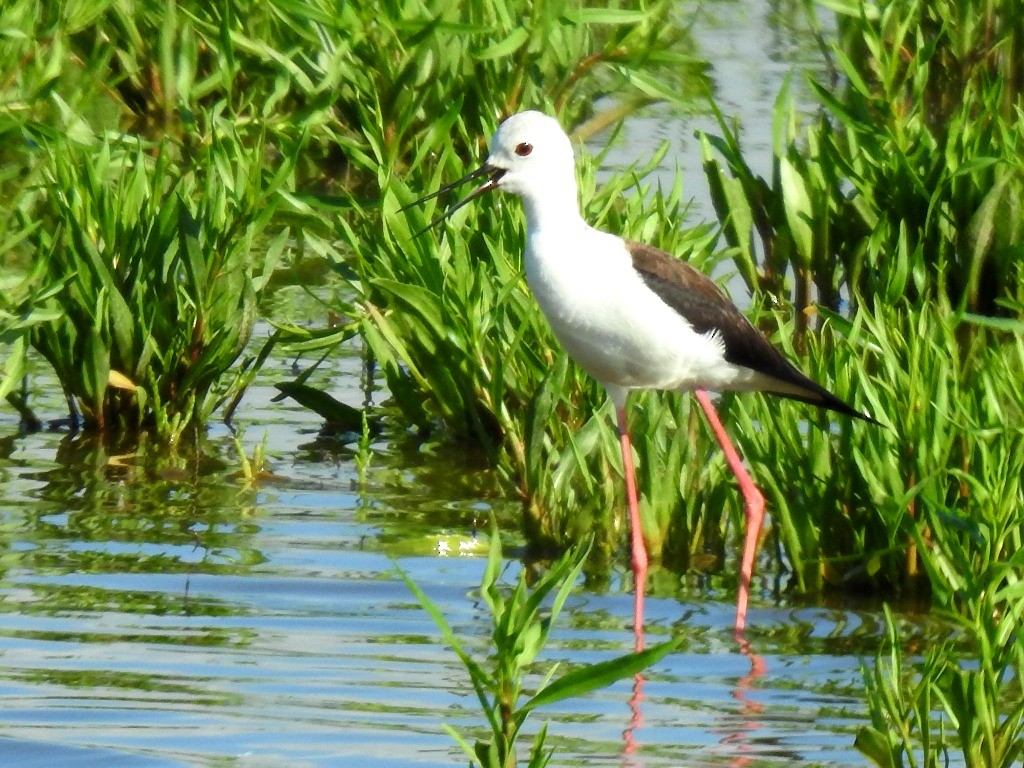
(156, 610)
(220, 625)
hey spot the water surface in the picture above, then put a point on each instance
(157, 610)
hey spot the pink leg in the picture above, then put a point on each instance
(753, 503)
(639, 562)
(639, 550)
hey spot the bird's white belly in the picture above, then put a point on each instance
(616, 328)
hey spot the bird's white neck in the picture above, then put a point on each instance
(552, 209)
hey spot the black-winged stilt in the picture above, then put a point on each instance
(633, 316)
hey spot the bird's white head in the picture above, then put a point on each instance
(533, 156)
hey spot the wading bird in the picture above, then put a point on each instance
(633, 316)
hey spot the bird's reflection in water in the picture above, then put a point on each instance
(739, 728)
(636, 720)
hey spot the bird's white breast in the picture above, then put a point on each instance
(611, 323)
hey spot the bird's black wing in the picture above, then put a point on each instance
(706, 308)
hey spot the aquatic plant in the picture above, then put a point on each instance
(522, 619)
(337, 93)
(28, 303)
(924, 206)
(908, 182)
(962, 696)
(353, 81)
(156, 258)
(849, 504)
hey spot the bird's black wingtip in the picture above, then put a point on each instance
(838, 405)
(870, 419)
(819, 396)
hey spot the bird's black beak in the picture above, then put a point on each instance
(493, 172)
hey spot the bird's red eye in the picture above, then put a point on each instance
(524, 149)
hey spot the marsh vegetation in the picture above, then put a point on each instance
(161, 160)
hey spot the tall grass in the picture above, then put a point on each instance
(903, 198)
(854, 508)
(898, 187)
(964, 695)
(156, 258)
(353, 79)
(337, 91)
(464, 348)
